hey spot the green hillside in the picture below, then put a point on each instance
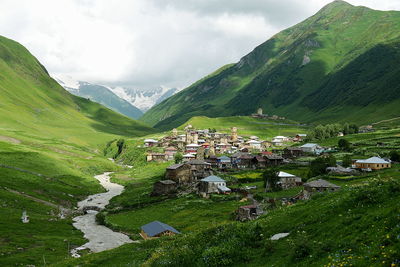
(356, 226)
(338, 65)
(33, 104)
(50, 147)
(248, 126)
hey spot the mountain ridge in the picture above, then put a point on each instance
(102, 95)
(287, 74)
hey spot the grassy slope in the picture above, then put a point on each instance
(32, 103)
(357, 225)
(247, 126)
(353, 72)
(45, 130)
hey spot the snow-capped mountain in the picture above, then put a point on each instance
(99, 94)
(142, 98)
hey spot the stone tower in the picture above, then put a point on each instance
(259, 111)
(195, 138)
(174, 132)
(234, 136)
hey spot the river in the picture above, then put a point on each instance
(100, 237)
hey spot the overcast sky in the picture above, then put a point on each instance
(146, 43)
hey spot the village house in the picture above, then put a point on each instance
(259, 162)
(311, 148)
(279, 140)
(249, 212)
(188, 157)
(299, 137)
(213, 184)
(224, 162)
(164, 187)
(158, 157)
(150, 142)
(273, 160)
(374, 163)
(170, 152)
(287, 180)
(318, 186)
(213, 160)
(157, 229)
(292, 152)
(222, 148)
(179, 173)
(192, 148)
(199, 169)
(244, 161)
(254, 144)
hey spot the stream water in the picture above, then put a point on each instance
(100, 237)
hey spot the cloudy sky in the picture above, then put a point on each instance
(146, 43)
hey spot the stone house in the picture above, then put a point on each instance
(199, 169)
(158, 157)
(164, 187)
(179, 173)
(318, 186)
(273, 160)
(188, 157)
(213, 160)
(287, 180)
(249, 212)
(170, 152)
(292, 152)
(259, 162)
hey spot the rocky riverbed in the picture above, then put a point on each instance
(100, 237)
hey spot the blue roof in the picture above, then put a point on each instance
(224, 159)
(212, 178)
(309, 145)
(156, 227)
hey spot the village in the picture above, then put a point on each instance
(203, 162)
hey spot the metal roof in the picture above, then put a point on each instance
(285, 175)
(224, 188)
(156, 227)
(309, 145)
(373, 160)
(212, 178)
(150, 141)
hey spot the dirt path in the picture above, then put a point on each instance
(33, 198)
(10, 139)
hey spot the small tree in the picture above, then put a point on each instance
(120, 145)
(271, 179)
(347, 161)
(319, 165)
(178, 158)
(344, 145)
(394, 156)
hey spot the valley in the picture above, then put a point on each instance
(289, 157)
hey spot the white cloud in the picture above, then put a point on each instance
(148, 43)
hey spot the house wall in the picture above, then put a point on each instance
(180, 175)
(373, 166)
